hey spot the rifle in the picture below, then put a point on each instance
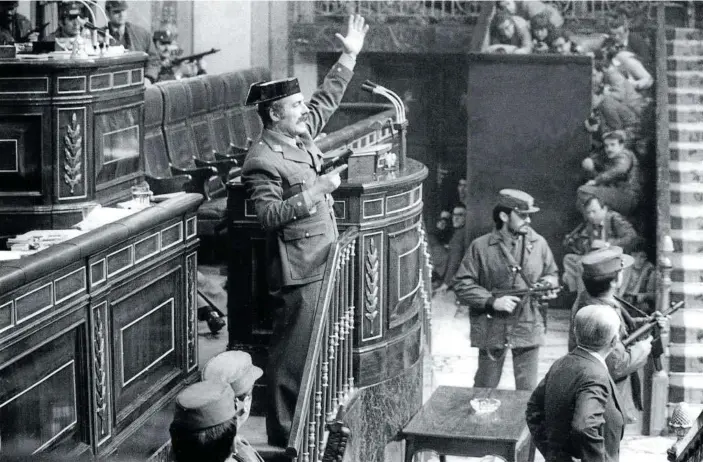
(336, 161)
(527, 291)
(37, 29)
(652, 325)
(193, 57)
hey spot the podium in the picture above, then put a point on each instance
(71, 133)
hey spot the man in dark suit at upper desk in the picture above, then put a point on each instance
(574, 413)
(132, 37)
(282, 174)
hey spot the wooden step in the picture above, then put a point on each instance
(688, 96)
(686, 132)
(684, 151)
(687, 113)
(683, 33)
(254, 431)
(684, 47)
(684, 63)
(685, 79)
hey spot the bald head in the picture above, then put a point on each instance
(595, 327)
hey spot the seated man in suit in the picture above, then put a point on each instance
(575, 413)
(601, 227)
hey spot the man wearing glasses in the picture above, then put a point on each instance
(512, 256)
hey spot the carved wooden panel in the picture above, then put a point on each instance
(191, 310)
(40, 396)
(403, 274)
(71, 153)
(101, 372)
(146, 309)
(372, 252)
(117, 144)
(20, 153)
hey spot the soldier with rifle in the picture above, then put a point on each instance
(15, 27)
(174, 67)
(602, 276)
(511, 257)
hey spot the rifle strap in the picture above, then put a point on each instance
(629, 305)
(517, 268)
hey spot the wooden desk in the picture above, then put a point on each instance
(447, 424)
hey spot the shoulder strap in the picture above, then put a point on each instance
(514, 264)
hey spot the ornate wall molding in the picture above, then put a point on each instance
(191, 301)
(100, 372)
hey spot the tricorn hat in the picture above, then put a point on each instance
(264, 92)
(517, 200)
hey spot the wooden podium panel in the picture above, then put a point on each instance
(525, 131)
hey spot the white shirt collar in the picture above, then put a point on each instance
(597, 356)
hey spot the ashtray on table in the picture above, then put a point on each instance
(484, 405)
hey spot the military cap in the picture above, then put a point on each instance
(605, 261)
(517, 200)
(203, 405)
(264, 92)
(115, 5)
(70, 9)
(164, 36)
(619, 135)
(234, 368)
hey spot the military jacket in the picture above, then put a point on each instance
(301, 227)
(484, 269)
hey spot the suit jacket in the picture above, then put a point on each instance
(301, 226)
(623, 362)
(575, 411)
(616, 230)
(137, 38)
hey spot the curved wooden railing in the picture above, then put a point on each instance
(328, 379)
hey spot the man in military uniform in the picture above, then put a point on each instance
(512, 256)
(71, 20)
(236, 370)
(293, 204)
(131, 36)
(602, 276)
(14, 27)
(165, 45)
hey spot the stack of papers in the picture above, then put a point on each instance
(41, 238)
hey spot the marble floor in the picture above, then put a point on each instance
(453, 362)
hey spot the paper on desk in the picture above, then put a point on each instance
(100, 216)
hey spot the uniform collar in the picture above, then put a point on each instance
(286, 145)
(496, 237)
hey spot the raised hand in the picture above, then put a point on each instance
(356, 33)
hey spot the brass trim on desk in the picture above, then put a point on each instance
(46, 86)
(123, 268)
(191, 227)
(138, 259)
(170, 301)
(76, 292)
(17, 157)
(100, 262)
(96, 76)
(12, 315)
(49, 284)
(75, 78)
(177, 241)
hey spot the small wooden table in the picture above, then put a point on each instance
(448, 425)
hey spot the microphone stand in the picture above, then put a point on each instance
(401, 123)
